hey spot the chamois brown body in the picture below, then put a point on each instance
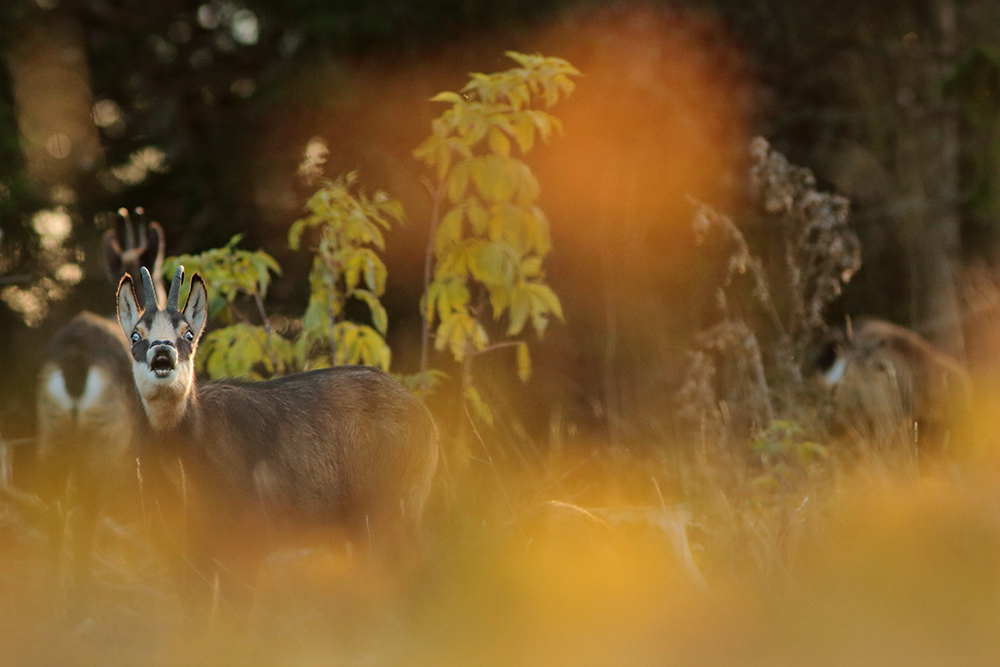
(248, 467)
(346, 446)
(88, 413)
(890, 384)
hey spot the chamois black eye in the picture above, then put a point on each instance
(189, 336)
(136, 337)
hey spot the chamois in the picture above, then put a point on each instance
(87, 412)
(244, 467)
(887, 380)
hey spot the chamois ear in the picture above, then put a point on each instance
(196, 307)
(128, 306)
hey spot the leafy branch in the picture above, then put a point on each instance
(488, 237)
(347, 227)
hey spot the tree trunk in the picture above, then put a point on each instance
(928, 174)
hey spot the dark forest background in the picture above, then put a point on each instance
(200, 111)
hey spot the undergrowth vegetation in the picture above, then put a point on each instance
(761, 534)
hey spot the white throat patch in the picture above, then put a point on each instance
(164, 398)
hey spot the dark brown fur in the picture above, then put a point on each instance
(339, 453)
(893, 380)
(83, 441)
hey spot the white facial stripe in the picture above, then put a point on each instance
(55, 387)
(836, 372)
(93, 388)
(161, 329)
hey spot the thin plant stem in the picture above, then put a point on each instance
(425, 312)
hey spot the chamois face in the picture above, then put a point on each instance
(163, 344)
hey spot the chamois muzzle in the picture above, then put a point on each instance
(164, 359)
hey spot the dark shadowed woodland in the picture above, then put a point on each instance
(703, 297)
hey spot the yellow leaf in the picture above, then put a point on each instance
(524, 132)
(447, 96)
(523, 362)
(531, 266)
(499, 143)
(449, 232)
(479, 407)
(478, 218)
(520, 309)
(458, 181)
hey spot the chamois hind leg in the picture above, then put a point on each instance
(216, 582)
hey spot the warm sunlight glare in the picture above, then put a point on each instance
(658, 117)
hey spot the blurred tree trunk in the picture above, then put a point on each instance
(51, 86)
(944, 222)
(928, 175)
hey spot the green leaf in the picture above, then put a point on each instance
(520, 309)
(295, 234)
(811, 451)
(494, 264)
(544, 299)
(457, 298)
(228, 271)
(236, 350)
(379, 317)
(423, 384)
(477, 405)
(499, 299)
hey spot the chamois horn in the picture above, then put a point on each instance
(147, 284)
(174, 295)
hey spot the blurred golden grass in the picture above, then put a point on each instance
(860, 565)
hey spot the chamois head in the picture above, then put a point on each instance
(143, 246)
(163, 344)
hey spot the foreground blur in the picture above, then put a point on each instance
(873, 563)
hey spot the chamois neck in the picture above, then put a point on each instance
(167, 410)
